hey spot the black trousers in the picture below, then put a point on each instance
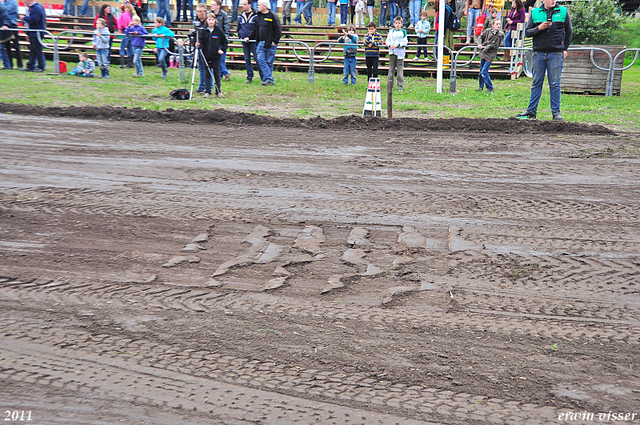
(16, 48)
(214, 67)
(372, 67)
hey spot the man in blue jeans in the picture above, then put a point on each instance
(550, 27)
(246, 24)
(267, 33)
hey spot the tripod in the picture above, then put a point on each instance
(196, 62)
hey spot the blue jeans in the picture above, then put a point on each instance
(383, 16)
(137, 59)
(68, 7)
(307, 11)
(254, 5)
(274, 6)
(248, 50)
(84, 9)
(184, 6)
(125, 46)
(393, 11)
(414, 9)
(265, 56)
(472, 15)
(484, 78)
(299, 8)
(507, 39)
(162, 60)
(331, 14)
(162, 11)
(223, 65)
(403, 12)
(234, 13)
(102, 57)
(349, 70)
(549, 63)
(344, 13)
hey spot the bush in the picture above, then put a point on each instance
(594, 21)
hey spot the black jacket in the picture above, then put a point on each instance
(211, 42)
(273, 30)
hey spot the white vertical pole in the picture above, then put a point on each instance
(441, 29)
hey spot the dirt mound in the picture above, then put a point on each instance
(225, 117)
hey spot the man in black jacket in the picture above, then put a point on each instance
(550, 27)
(246, 24)
(267, 33)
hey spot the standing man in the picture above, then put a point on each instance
(200, 22)
(223, 22)
(267, 33)
(472, 9)
(35, 19)
(163, 10)
(11, 7)
(246, 24)
(550, 27)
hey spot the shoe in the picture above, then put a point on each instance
(557, 117)
(200, 91)
(268, 83)
(37, 70)
(400, 90)
(206, 95)
(219, 95)
(526, 115)
(136, 75)
(479, 89)
(490, 90)
(248, 80)
(227, 77)
(27, 70)
(164, 76)
(417, 58)
(6, 68)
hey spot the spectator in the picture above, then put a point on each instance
(414, 10)
(84, 9)
(361, 7)
(423, 27)
(372, 42)
(246, 24)
(305, 8)
(448, 33)
(350, 40)
(105, 13)
(393, 11)
(267, 33)
(472, 9)
(550, 27)
(5, 35)
(126, 51)
(162, 36)
(384, 9)
(163, 10)
(489, 18)
(11, 8)
(36, 20)
(516, 16)
(403, 11)
(101, 38)
(136, 32)
(185, 6)
(200, 22)
(213, 42)
(352, 10)
(286, 11)
(85, 66)
(331, 12)
(396, 42)
(344, 12)
(222, 20)
(490, 41)
(371, 4)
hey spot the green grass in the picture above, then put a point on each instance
(293, 96)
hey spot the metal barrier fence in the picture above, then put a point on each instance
(57, 44)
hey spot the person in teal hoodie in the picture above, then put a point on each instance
(161, 34)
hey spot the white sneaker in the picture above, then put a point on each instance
(417, 58)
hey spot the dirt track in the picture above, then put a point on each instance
(326, 271)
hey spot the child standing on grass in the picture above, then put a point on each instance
(490, 40)
(423, 26)
(396, 42)
(101, 37)
(162, 36)
(214, 43)
(135, 30)
(85, 66)
(350, 40)
(372, 42)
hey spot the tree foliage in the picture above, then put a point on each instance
(594, 21)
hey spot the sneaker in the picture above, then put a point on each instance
(38, 70)
(220, 95)
(136, 75)
(268, 83)
(164, 76)
(400, 90)
(248, 80)
(417, 58)
(206, 95)
(479, 89)
(490, 90)
(227, 77)
(526, 115)
(557, 117)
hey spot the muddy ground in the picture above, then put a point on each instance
(208, 267)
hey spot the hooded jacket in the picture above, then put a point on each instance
(557, 37)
